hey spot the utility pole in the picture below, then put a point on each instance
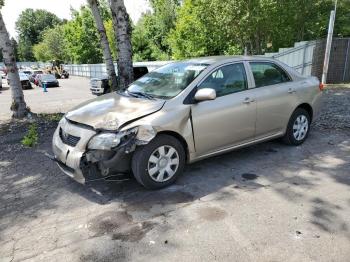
(329, 43)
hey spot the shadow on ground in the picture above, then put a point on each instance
(33, 188)
(31, 184)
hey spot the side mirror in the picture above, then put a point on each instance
(205, 94)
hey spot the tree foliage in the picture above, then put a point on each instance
(52, 47)
(189, 28)
(212, 27)
(82, 42)
(30, 27)
(151, 33)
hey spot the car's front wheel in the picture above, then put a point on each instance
(159, 163)
(298, 127)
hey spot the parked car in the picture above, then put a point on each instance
(27, 72)
(100, 86)
(2, 74)
(36, 79)
(24, 81)
(184, 112)
(34, 75)
(47, 79)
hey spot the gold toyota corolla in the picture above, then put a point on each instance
(183, 112)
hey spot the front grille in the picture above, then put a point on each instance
(68, 139)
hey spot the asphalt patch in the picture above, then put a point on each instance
(120, 225)
(109, 222)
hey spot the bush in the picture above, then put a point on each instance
(31, 138)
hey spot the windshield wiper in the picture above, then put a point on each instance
(140, 94)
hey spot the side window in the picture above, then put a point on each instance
(266, 74)
(226, 80)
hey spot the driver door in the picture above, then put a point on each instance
(229, 119)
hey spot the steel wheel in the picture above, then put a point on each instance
(163, 163)
(300, 127)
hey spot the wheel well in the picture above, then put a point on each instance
(178, 137)
(308, 109)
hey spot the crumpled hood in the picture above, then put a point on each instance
(112, 111)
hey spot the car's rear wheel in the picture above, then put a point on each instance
(298, 127)
(159, 163)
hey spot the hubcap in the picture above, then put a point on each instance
(163, 163)
(300, 127)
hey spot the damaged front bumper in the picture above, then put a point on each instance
(69, 145)
(75, 158)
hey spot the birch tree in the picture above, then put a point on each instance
(122, 28)
(107, 55)
(18, 107)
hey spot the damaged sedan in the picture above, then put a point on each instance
(183, 112)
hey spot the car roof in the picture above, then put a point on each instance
(215, 59)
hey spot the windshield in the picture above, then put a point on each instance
(167, 81)
(22, 75)
(38, 72)
(48, 77)
(27, 72)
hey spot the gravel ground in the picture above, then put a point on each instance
(268, 202)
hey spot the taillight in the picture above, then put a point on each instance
(321, 86)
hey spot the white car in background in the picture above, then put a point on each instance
(2, 74)
(24, 81)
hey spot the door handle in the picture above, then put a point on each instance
(291, 91)
(248, 100)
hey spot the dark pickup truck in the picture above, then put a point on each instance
(100, 86)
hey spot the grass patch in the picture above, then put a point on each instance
(56, 117)
(31, 138)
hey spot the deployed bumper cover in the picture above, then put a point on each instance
(68, 145)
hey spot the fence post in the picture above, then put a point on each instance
(346, 60)
(304, 57)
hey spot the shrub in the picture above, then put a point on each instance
(31, 138)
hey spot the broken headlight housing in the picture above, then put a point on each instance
(108, 141)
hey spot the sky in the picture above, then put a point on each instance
(61, 8)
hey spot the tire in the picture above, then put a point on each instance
(143, 162)
(292, 137)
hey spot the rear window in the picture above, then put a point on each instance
(266, 74)
(48, 77)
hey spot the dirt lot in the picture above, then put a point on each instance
(71, 92)
(268, 202)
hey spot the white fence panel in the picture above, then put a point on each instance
(23, 65)
(99, 70)
(299, 57)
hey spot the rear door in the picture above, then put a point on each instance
(230, 118)
(275, 95)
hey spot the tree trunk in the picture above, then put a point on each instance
(107, 55)
(18, 107)
(122, 28)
